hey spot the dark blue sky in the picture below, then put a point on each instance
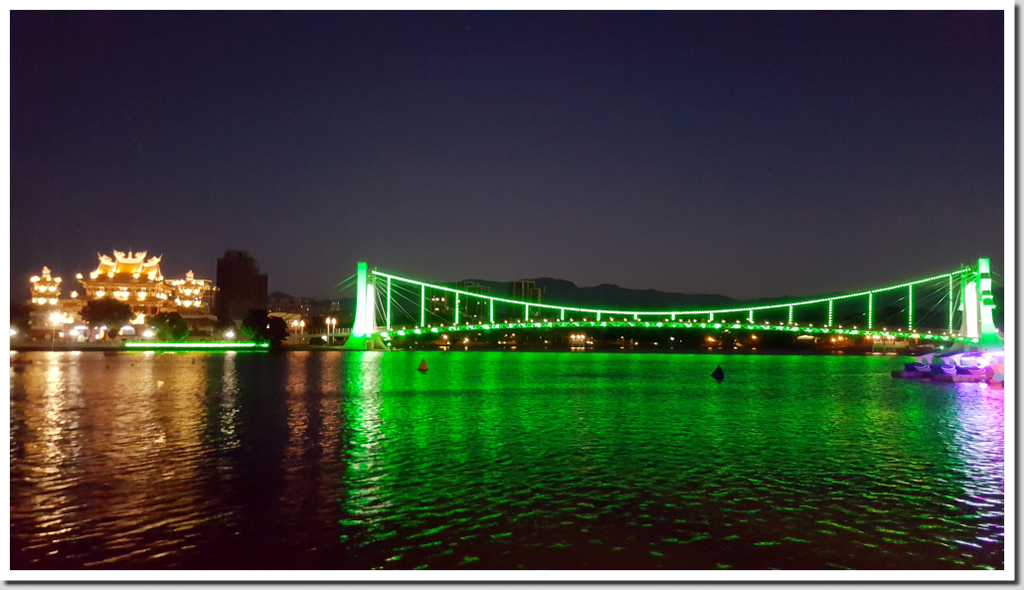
(747, 154)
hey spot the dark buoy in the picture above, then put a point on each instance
(423, 366)
(718, 374)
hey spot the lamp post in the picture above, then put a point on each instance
(56, 319)
(301, 325)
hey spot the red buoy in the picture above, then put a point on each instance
(423, 366)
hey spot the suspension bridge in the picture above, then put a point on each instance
(954, 306)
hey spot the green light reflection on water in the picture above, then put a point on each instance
(538, 460)
(836, 441)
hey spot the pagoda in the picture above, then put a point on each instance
(45, 288)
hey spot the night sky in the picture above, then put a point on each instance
(745, 154)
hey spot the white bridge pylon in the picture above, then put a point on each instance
(364, 324)
(976, 330)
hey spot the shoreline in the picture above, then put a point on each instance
(120, 347)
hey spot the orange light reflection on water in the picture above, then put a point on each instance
(115, 441)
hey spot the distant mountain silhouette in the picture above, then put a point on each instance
(608, 296)
(279, 295)
(562, 292)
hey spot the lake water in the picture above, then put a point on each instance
(498, 460)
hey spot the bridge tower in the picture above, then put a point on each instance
(977, 305)
(364, 324)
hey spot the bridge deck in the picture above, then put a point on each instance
(678, 324)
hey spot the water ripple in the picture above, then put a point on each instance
(499, 461)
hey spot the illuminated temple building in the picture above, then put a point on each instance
(134, 280)
(139, 283)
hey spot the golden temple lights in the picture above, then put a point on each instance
(45, 288)
(133, 279)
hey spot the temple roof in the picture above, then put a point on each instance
(135, 265)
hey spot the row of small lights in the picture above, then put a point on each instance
(545, 322)
(56, 319)
(783, 327)
(230, 334)
(330, 322)
(563, 323)
(141, 294)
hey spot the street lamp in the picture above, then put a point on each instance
(55, 319)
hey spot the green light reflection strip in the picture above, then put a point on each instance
(964, 270)
(211, 345)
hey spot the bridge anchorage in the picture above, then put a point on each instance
(445, 309)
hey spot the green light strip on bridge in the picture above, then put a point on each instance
(910, 307)
(870, 293)
(949, 296)
(871, 310)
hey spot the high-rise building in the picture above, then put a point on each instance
(473, 308)
(525, 291)
(240, 286)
